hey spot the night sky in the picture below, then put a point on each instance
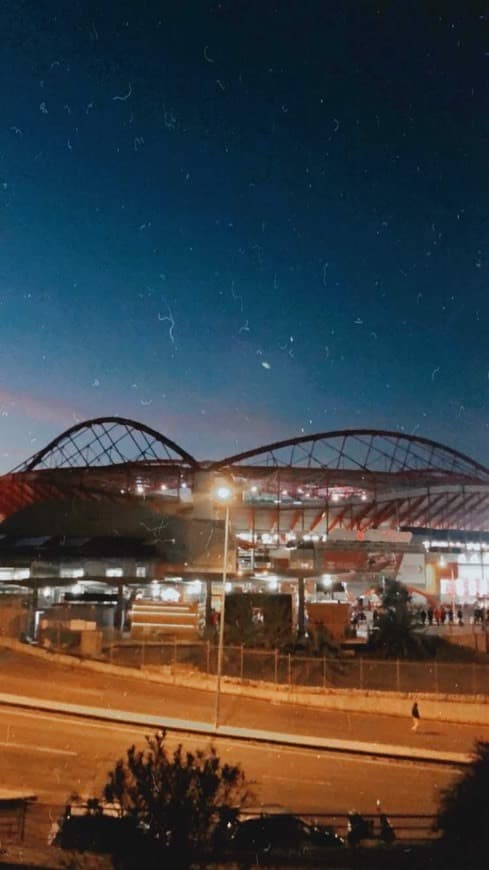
(245, 220)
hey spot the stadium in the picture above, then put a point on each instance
(114, 505)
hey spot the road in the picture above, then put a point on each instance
(54, 755)
(43, 678)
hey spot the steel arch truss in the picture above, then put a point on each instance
(350, 479)
(107, 441)
(367, 450)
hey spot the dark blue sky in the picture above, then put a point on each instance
(241, 221)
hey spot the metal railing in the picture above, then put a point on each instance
(41, 820)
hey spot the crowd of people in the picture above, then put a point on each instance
(462, 614)
(437, 615)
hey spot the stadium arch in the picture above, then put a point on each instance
(353, 503)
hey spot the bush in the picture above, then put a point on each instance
(463, 814)
(180, 801)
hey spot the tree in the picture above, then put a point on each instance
(396, 634)
(181, 800)
(394, 595)
(463, 814)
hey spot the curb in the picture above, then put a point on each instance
(349, 747)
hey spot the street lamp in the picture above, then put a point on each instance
(223, 495)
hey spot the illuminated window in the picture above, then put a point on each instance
(169, 593)
(15, 573)
(114, 572)
(71, 573)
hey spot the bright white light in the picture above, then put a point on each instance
(14, 573)
(364, 496)
(114, 572)
(195, 587)
(335, 496)
(163, 487)
(326, 580)
(139, 488)
(183, 485)
(169, 593)
(254, 489)
(442, 562)
(228, 587)
(284, 492)
(77, 588)
(224, 493)
(71, 573)
(273, 583)
(140, 571)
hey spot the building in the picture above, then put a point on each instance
(114, 507)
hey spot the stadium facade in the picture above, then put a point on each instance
(113, 503)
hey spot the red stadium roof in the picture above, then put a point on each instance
(353, 479)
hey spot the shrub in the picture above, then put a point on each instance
(180, 801)
(463, 813)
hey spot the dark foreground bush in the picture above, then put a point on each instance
(159, 809)
(463, 816)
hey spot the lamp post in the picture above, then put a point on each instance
(223, 495)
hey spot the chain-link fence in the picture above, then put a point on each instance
(271, 666)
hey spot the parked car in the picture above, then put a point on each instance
(282, 833)
(93, 826)
(96, 833)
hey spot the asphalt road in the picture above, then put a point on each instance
(53, 755)
(43, 678)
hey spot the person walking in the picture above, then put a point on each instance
(415, 716)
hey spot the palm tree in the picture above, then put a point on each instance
(396, 634)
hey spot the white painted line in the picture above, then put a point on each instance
(63, 720)
(34, 748)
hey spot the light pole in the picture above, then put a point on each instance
(223, 495)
